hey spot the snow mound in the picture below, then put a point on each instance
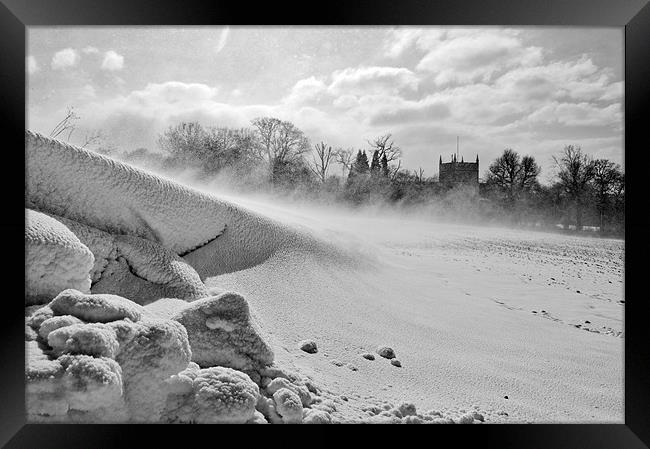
(97, 308)
(55, 259)
(210, 395)
(222, 332)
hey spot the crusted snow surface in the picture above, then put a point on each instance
(222, 332)
(55, 258)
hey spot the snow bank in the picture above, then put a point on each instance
(213, 235)
(115, 197)
(55, 259)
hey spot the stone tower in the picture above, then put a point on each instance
(454, 173)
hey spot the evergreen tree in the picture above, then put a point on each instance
(361, 164)
(384, 165)
(375, 164)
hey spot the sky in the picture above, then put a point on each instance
(532, 89)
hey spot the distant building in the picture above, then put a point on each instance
(454, 173)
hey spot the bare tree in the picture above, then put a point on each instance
(280, 143)
(321, 161)
(528, 173)
(419, 174)
(92, 138)
(344, 157)
(513, 175)
(386, 147)
(184, 142)
(575, 172)
(607, 182)
(66, 125)
(394, 170)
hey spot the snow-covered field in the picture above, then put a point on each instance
(149, 301)
(522, 326)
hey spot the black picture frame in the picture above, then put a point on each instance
(634, 15)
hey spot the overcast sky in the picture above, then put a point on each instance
(533, 89)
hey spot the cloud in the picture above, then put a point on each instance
(476, 56)
(223, 39)
(366, 80)
(88, 91)
(112, 61)
(68, 57)
(411, 112)
(138, 117)
(580, 114)
(90, 50)
(308, 90)
(32, 65)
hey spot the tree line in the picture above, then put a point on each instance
(275, 154)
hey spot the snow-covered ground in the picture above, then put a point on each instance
(522, 326)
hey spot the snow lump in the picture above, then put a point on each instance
(55, 259)
(222, 332)
(211, 395)
(309, 346)
(386, 352)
